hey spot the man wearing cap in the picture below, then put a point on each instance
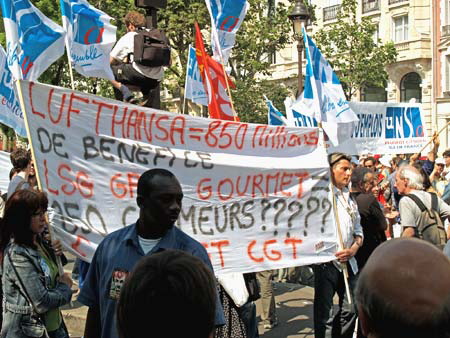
(329, 278)
(438, 181)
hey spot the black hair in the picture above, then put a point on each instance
(374, 161)
(446, 153)
(172, 292)
(359, 176)
(144, 185)
(16, 222)
(20, 158)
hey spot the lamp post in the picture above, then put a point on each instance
(299, 17)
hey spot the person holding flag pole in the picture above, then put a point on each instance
(323, 98)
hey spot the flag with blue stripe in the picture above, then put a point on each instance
(90, 38)
(194, 89)
(34, 41)
(10, 112)
(323, 97)
(226, 19)
(274, 116)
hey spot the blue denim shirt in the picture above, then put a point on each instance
(18, 320)
(115, 257)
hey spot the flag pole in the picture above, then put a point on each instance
(432, 137)
(70, 69)
(30, 140)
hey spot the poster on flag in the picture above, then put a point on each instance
(10, 112)
(34, 41)
(383, 128)
(256, 196)
(90, 38)
(194, 88)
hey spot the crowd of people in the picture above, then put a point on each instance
(149, 274)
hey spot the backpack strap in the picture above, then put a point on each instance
(434, 202)
(419, 203)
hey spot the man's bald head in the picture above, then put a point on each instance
(404, 291)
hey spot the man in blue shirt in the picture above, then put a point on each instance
(159, 197)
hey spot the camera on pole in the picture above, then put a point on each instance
(151, 7)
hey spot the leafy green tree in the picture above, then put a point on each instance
(349, 46)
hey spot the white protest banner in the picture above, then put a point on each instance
(256, 196)
(383, 128)
(5, 168)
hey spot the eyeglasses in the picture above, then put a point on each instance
(39, 213)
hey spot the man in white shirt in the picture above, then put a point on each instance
(126, 71)
(328, 277)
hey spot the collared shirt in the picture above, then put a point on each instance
(349, 220)
(115, 257)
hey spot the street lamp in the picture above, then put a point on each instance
(299, 17)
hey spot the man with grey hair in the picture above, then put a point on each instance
(401, 295)
(409, 181)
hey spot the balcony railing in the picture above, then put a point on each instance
(370, 5)
(446, 30)
(391, 2)
(330, 13)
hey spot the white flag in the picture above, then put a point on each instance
(323, 97)
(90, 38)
(194, 88)
(34, 41)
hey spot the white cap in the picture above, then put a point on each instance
(440, 160)
(385, 161)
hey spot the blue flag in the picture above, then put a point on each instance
(323, 97)
(34, 41)
(274, 116)
(10, 112)
(194, 88)
(226, 18)
(90, 38)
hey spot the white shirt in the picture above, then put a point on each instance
(148, 244)
(125, 47)
(349, 220)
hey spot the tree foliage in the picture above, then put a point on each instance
(349, 46)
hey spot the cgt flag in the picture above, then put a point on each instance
(214, 81)
(274, 116)
(34, 41)
(323, 97)
(226, 18)
(90, 38)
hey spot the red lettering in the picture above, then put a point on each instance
(219, 188)
(133, 178)
(285, 183)
(201, 189)
(84, 182)
(231, 26)
(77, 244)
(210, 133)
(257, 180)
(250, 253)
(293, 242)
(161, 128)
(121, 122)
(53, 191)
(301, 177)
(178, 129)
(49, 104)
(74, 97)
(35, 112)
(219, 246)
(276, 254)
(133, 122)
(64, 187)
(119, 185)
(100, 105)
